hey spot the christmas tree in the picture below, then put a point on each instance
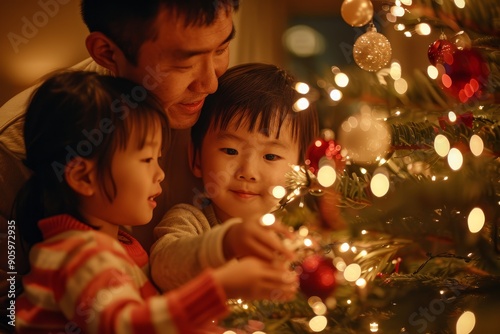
(415, 178)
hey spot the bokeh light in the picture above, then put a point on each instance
(476, 220)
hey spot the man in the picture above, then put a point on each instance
(174, 48)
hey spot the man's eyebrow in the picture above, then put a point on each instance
(186, 54)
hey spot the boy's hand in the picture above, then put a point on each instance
(251, 238)
(251, 278)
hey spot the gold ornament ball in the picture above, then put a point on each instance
(357, 13)
(372, 51)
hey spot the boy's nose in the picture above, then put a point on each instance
(247, 171)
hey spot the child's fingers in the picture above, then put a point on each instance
(275, 246)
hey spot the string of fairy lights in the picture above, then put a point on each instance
(366, 139)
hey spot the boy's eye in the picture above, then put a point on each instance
(147, 160)
(271, 157)
(229, 151)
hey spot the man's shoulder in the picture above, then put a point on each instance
(12, 112)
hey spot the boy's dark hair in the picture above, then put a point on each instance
(78, 114)
(130, 23)
(261, 97)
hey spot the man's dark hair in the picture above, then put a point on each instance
(130, 23)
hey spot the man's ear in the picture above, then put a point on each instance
(194, 160)
(80, 176)
(103, 50)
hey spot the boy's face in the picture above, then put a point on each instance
(240, 169)
(182, 64)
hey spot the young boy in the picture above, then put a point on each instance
(246, 138)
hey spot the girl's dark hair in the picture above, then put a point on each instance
(130, 23)
(260, 96)
(78, 114)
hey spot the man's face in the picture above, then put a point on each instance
(182, 65)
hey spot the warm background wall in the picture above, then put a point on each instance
(36, 37)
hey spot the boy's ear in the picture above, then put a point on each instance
(103, 50)
(79, 175)
(194, 161)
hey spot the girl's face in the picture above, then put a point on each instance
(240, 169)
(137, 176)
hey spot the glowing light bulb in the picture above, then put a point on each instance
(341, 79)
(452, 116)
(278, 192)
(361, 282)
(395, 71)
(301, 104)
(432, 71)
(476, 220)
(397, 11)
(379, 184)
(476, 145)
(327, 176)
(441, 145)
(401, 86)
(352, 272)
(423, 29)
(455, 159)
(399, 27)
(318, 323)
(302, 87)
(268, 219)
(344, 247)
(336, 95)
(459, 3)
(319, 308)
(466, 323)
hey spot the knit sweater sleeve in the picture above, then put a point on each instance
(186, 245)
(101, 291)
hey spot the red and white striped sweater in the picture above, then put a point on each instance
(83, 281)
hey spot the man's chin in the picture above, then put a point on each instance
(182, 122)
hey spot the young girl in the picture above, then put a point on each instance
(93, 143)
(247, 136)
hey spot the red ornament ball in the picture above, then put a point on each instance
(465, 75)
(317, 276)
(440, 51)
(323, 149)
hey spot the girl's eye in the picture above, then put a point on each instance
(147, 160)
(271, 157)
(229, 151)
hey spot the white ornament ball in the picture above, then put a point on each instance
(365, 139)
(357, 13)
(372, 51)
